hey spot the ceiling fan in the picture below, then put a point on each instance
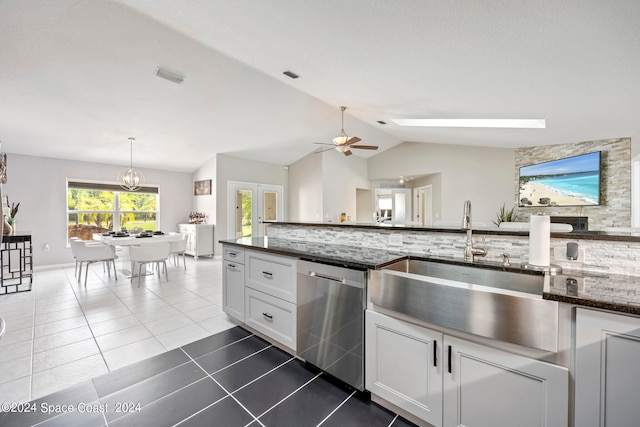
(344, 143)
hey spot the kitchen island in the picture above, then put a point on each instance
(598, 299)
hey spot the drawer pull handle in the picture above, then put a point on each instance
(324, 276)
(268, 316)
(449, 360)
(231, 267)
(232, 254)
(268, 275)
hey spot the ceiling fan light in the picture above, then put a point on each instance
(342, 148)
(341, 139)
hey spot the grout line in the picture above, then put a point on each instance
(291, 394)
(243, 359)
(33, 340)
(264, 375)
(339, 406)
(224, 389)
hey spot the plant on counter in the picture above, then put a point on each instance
(504, 215)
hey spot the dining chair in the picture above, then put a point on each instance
(72, 241)
(149, 253)
(88, 252)
(178, 248)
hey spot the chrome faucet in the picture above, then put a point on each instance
(469, 250)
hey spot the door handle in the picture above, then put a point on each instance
(449, 360)
(435, 353)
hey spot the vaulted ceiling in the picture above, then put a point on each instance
(77, 77)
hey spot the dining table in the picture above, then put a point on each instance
(123, 242)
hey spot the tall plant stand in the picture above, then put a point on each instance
(16, 259)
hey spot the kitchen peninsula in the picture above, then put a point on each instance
(596, 293)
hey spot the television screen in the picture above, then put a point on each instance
(574, 181)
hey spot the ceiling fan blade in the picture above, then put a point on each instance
(324, 143)
(352, 140)
(365, 147)
(347, 152)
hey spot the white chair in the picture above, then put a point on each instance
(149, 253)
(71, 240)
(89, 252)
(178, 248)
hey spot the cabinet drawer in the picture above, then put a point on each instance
(272, 316)
(233, 254)
(273, 275)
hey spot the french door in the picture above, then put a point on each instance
(251, 207)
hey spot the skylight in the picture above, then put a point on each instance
(474, 123)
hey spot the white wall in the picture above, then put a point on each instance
(305, 189)
(341, 175)
(482, 175)
(207, 204)
(39, 184)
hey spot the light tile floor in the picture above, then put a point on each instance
(62, 333)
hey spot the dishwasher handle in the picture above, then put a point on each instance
(324, 276)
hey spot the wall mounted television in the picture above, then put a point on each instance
(572, 181)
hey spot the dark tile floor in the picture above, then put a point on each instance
(229, 379)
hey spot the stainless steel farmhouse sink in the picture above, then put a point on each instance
(492, 303)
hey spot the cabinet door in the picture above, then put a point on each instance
(607, 369)
(404, 365)
(233, 289)
(485, 387)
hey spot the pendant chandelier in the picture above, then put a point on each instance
(131, 179)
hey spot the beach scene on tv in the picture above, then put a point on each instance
(574, 181)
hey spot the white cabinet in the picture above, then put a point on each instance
(200, 240)
(272, 316)
(486, 387)
(448, 381)
(271, 274)
(233, 282)
(404, 365)
(270, 296)
(607, 369)
(259, 289)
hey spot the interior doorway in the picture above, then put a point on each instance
(423, 208)
(251, 207)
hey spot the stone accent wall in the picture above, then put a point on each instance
(615, 185)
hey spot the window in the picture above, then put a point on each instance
(98, 208)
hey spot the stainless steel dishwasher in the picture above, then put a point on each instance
(331, 305)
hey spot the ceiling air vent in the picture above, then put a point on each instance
(168, 75)
(290, 74)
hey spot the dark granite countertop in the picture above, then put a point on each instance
(341, 255)
(604, 291)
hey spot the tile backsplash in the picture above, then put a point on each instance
(601, 256)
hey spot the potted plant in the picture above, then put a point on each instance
(504, 215)
(11, 217)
